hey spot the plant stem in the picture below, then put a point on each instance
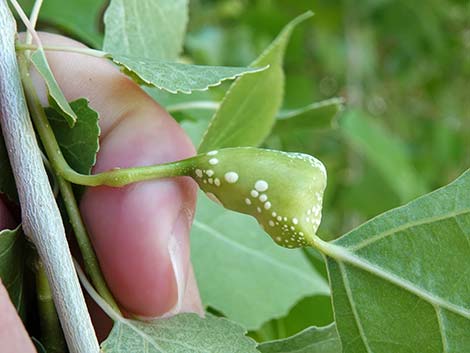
(90, 260)
(33, 18)
(53, 153)
(108, 310)
(78, 50)
(51, 332)
(40, 215)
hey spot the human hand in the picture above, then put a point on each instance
(140, 232)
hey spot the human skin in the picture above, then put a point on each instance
(140, 232)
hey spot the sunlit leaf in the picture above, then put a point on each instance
(151, 29)
(249, 108)
(399, 281)
(56, 96)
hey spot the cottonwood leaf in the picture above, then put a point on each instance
(385, 152)
(318, 115)
(226, 245)
(399, 281)
(184, 333)
(7, 181)
(152, 28)
(56, 96)
(176, 77)
(79, 144)
(81, 18)
(311, 340)
(12, 266)
(248, 110)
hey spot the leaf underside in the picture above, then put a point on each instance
(311, 340)
(184, 333)
(175, 77)
(154, 29)
(399, 282)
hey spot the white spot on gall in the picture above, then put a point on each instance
(254, 193)
(267, 205)
(261, 185)
(212, 153)
(258, 209)
(231, 177)
(213, 161)
(263, 197)
(199, 173)
(271, 223)
(210, 172)
(217, 181)
(295, 220)
(248, 201)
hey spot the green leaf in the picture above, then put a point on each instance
(230, 245)
(79, 144)
(399, 282)
(56, 97)
(7, 181)
(248, 110)
(311, 340)
(318, 115)
(12, 266)
(152, 28)
(385, 151)
(176, 77)
(183, 333)
(79, 18)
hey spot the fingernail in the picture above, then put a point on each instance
(178, 249)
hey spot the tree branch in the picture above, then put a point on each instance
(40, 215)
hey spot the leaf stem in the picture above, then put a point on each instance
(86, 248)
(116, 316)
(56, 159)
(78, 50)
(33, 18)
(29, 26)
(51, 332)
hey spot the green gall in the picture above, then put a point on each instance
(283, 191)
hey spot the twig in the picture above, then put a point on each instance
(40, 215)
